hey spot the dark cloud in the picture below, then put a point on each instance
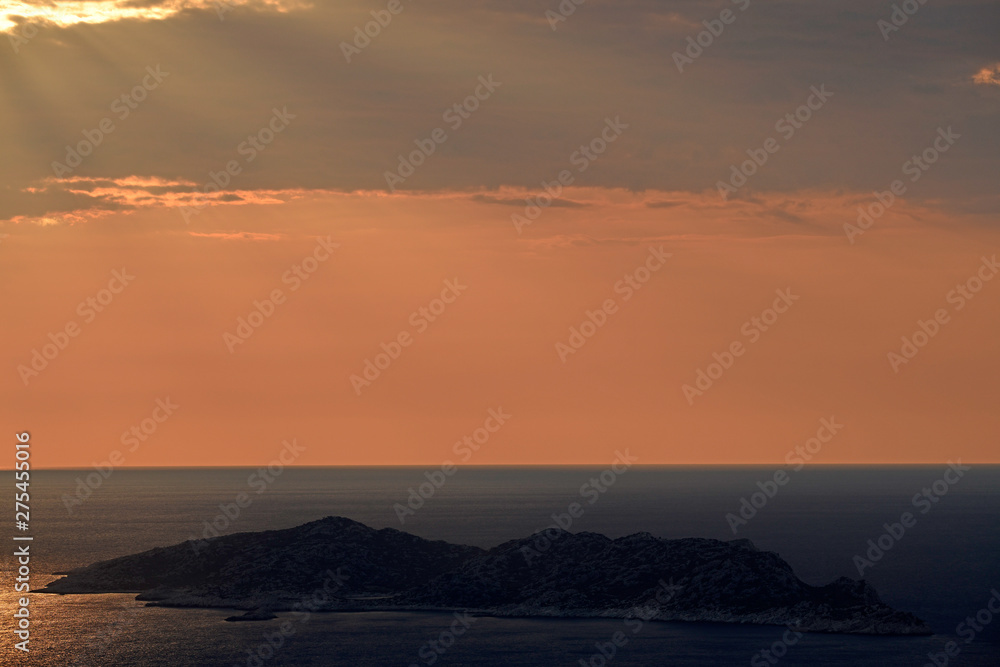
(521, 202)
(353, 121)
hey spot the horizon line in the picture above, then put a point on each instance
(525, 465)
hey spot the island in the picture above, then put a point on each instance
(550, 574)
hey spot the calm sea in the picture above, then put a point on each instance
(943, 568)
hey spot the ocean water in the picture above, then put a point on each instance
(944, 568)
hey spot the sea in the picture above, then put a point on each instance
(945, 567)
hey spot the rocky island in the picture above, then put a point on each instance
(556, 574)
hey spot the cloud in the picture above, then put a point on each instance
(15, 15)
(77, 199)
(352, 121)
(610, 215)
(514, 201)
(988, 76)
(238, 236)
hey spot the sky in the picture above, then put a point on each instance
(694, 230)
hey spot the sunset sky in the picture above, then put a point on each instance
(265, 90)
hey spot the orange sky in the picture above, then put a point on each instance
(162, 336)
(299, 130)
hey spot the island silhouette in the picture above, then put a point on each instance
(550, 574)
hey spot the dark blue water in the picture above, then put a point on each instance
(943, 568)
